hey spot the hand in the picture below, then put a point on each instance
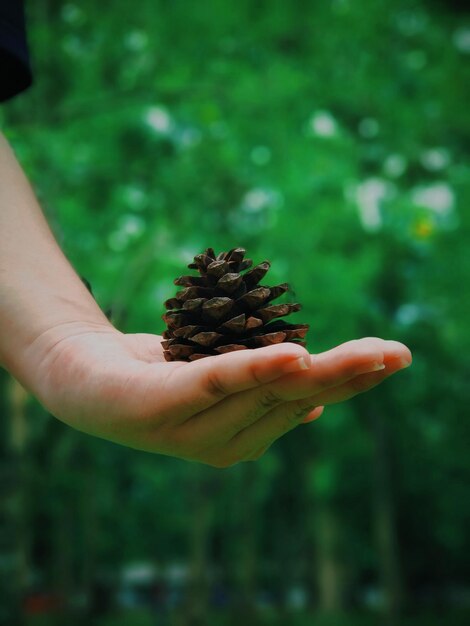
(219, 410)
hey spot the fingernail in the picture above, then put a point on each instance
(296, 365)
(404, 363)
(314, 414)
(375, 367)
(378, 367)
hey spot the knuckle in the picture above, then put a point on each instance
(269, 399)
(322, 379)
(254, 374)
(261, 405)
(215, 387)
(298, 412)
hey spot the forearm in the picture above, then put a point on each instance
(39, 290)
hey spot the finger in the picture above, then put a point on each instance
(312, 416)
(360, 384)
(287, 415)
(235, 454)
(282, 419)
(345, 362)
(329, 369)
(272, 426)
(203, 383)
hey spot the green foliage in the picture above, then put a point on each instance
(329, 138)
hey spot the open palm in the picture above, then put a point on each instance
(219, 410)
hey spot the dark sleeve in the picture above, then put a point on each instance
(15, 70)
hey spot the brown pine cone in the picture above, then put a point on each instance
(223, 309)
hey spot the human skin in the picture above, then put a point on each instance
(219, 410)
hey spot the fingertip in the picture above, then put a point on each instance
(286, 357)
(400, 351)
(407, 359)
(314, 415)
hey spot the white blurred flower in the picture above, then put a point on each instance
(260, 155)
(134, 196)
(185, 255)
(72, 14)
(408, 314)
(435, 159)
(73, 45)
(439, 198)
(256, 200)
(323, 124)
(369, 127)
(136, 40)
(131, 225)
(395, 165)
(159, 120)
(369, 197)
(461, 39)
(188, 137)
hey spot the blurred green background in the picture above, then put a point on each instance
(329, 137)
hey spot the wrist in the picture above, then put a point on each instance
(55, 360)
(41, 296)
(30, 339)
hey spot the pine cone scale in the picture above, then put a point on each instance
(230, 347)
(188, 331)
(230, 282)
(206, 339)
(216, 308)
(268, 313)
(253, 276)
(269, 339)
(254, 298)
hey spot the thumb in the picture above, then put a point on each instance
(207, 381)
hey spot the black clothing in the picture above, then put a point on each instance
(15, 70)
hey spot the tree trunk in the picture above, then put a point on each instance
(384, 522)
(325, 526)
(245, 565)
(15, 539)
(90, 582)
(201, 513)
(329, 570)
(383, 508)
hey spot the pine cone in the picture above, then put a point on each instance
(222, 310)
